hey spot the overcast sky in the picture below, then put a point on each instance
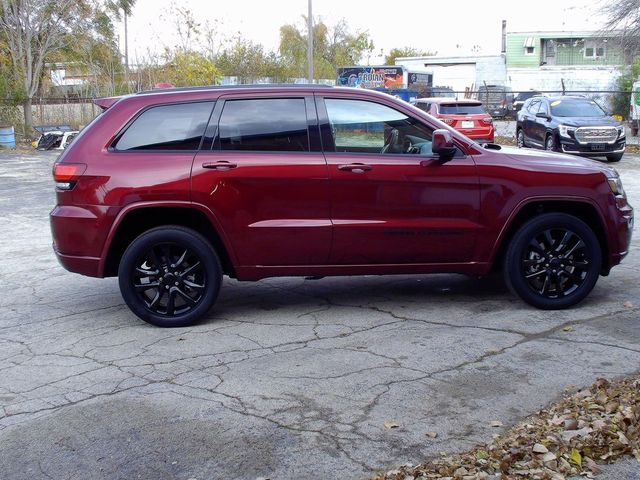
(450, 27)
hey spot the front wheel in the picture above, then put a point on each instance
(553, 261)
(520, 138)
(170, 276)
(550, 143)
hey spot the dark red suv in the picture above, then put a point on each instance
(170, 190)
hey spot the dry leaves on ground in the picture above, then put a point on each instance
(598, 424)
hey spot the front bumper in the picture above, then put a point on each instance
(592, 149)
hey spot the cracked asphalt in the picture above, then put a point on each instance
(287, 378)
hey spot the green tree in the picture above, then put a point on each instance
(624, 84)
(333, 47)
(34, 30)
(189, 68)
(390, 58)
(249, 61)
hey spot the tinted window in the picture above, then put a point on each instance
(424, 106)
(367, 127)
(461, 108)
(265, 125)
(576, 108)
(167, 127)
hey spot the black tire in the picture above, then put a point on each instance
(616, 157)
(553, 261)
(520, 139)
(182, 273)
(550, 143)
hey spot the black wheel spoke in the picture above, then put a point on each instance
(563, 243)
(182, 257)
(186, 297)
(548, 239)
(535, 246)
(156, 299)
(144, 287)
(578, 244)
(545, 285)
(147, 273)
(193, 286)
(189, 269)
(155, 259)
(535, 274)
(171, 304)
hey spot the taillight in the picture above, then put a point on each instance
(448, 121)
(66, 174)
(487, 120)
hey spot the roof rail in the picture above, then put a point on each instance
(226, 87)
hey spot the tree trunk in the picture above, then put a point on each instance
(28, 118)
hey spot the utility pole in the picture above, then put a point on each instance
(126, 52)
(310, 42)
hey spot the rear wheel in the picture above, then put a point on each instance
(553, 261)
(520, 138)
(170, 276)
(616, 157)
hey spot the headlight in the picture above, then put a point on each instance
(621, 131)
(564, 130)
(616, 186)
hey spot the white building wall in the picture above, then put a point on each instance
(575, 78)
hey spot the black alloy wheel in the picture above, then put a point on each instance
(170, 276)
(553, 261)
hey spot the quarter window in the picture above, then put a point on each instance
(278, 124)
(365, 127)
(167, 127)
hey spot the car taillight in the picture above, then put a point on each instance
(66, 174)
(448, 121)
(487, 120)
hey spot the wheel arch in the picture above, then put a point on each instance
(582, 209)
(135, 220)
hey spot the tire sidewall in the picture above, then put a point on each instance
(181, 236)
(514, 272)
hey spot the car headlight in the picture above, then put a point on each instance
(621, 131)
(565, 129)
(616, 185)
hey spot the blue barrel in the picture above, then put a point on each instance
(7, 137)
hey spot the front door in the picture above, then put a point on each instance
(393, 200)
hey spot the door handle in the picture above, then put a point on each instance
(355, 167)
(221, 165)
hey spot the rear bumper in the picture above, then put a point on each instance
(89, 266)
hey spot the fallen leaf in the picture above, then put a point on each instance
(539, 448)
(496, 423)
(432, 434)
(391, 424)
(575, 457)
(567, 329)
(622, 438)
(627, 305)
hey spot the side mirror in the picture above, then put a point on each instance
(442, 143)
(543, 115)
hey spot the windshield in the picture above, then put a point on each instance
(461, 108)
(576, 108)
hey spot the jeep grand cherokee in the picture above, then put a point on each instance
(170, 190)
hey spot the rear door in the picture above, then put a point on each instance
(266, 181)
(529, 120)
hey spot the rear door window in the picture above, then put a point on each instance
(167, 127)
(273, 124)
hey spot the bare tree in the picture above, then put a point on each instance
(623, 17)
(33, 30)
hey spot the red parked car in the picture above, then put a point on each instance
(171, 190)
(469, 117)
